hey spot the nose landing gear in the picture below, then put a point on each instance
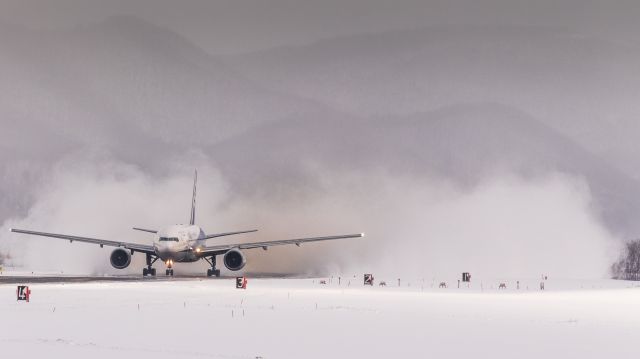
(169, 271)
(212, 271)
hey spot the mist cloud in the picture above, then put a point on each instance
(504, 226)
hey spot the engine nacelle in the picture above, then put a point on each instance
(234, 259)
(120, 258)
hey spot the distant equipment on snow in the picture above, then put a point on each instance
(368, 279)
(23, 293)
(466, 277)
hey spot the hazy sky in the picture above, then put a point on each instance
(228, 26)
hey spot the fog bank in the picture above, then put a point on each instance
(504, 226)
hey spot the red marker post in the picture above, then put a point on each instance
(241, 282)
(23, 293)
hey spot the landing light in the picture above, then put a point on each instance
(198, 250)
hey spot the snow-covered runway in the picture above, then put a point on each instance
(299, 318)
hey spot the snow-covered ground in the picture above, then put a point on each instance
(300, 318)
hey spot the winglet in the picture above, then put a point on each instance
(192, 221)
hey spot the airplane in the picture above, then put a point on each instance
(182, 243)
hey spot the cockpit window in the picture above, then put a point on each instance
(168, 239)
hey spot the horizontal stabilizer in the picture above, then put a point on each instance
(145, 230)
(227, 234)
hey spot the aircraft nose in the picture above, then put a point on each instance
(163, 247)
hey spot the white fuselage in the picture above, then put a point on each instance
(179, 243)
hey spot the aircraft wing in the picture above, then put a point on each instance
(219, 249)
(143, 248)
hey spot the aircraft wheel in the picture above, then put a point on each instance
(209, 273)
(144, 272)
(217, 272)
(152, 271)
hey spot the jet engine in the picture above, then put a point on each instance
(234, 259)
(120, 258)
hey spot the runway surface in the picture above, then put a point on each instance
(40, 279)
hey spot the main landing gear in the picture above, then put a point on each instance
(212, 271)
(150, 271)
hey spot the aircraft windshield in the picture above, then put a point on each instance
(168, 239)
